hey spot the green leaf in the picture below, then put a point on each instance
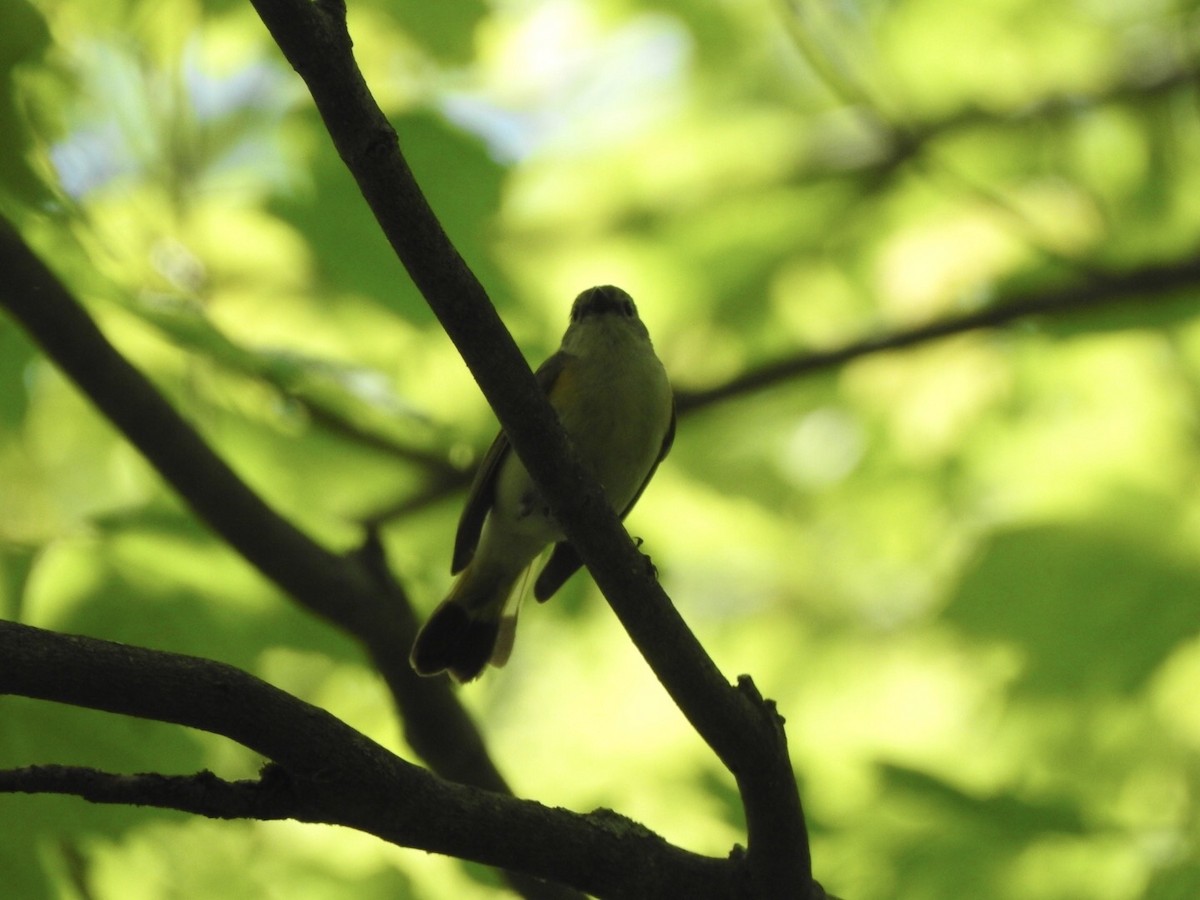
(16, 352)
(447, 30)
(1176, 882)
(1090, 610)
(24, 39)
(25, 36)
(459, 180)
(1018, 817)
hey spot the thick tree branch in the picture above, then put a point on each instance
(326, 772)
(744, 731)
(1154, 283)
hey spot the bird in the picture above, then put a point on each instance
(613, 397)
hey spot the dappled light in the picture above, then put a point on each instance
(966, 566)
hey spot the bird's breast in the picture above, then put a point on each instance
(617, 408)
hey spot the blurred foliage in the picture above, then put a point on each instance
(968, 572)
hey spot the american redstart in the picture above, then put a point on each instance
(613, 398)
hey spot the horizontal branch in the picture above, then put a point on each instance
(1155, 282)
(326, 772)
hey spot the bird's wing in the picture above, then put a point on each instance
(483, 487)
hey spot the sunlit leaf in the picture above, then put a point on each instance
(965, 570)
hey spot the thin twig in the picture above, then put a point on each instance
(202, 793)
(1156, 282)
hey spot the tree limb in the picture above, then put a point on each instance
(1158, 282)
(743, 730)
(324, 771)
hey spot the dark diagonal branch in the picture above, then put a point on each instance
(340, 589)
(742, 729)
(324, 771)
(1155, 283)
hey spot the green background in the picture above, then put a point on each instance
(968, 571)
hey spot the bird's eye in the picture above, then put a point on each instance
(627, 309)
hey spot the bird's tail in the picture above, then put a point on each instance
(469, 629)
